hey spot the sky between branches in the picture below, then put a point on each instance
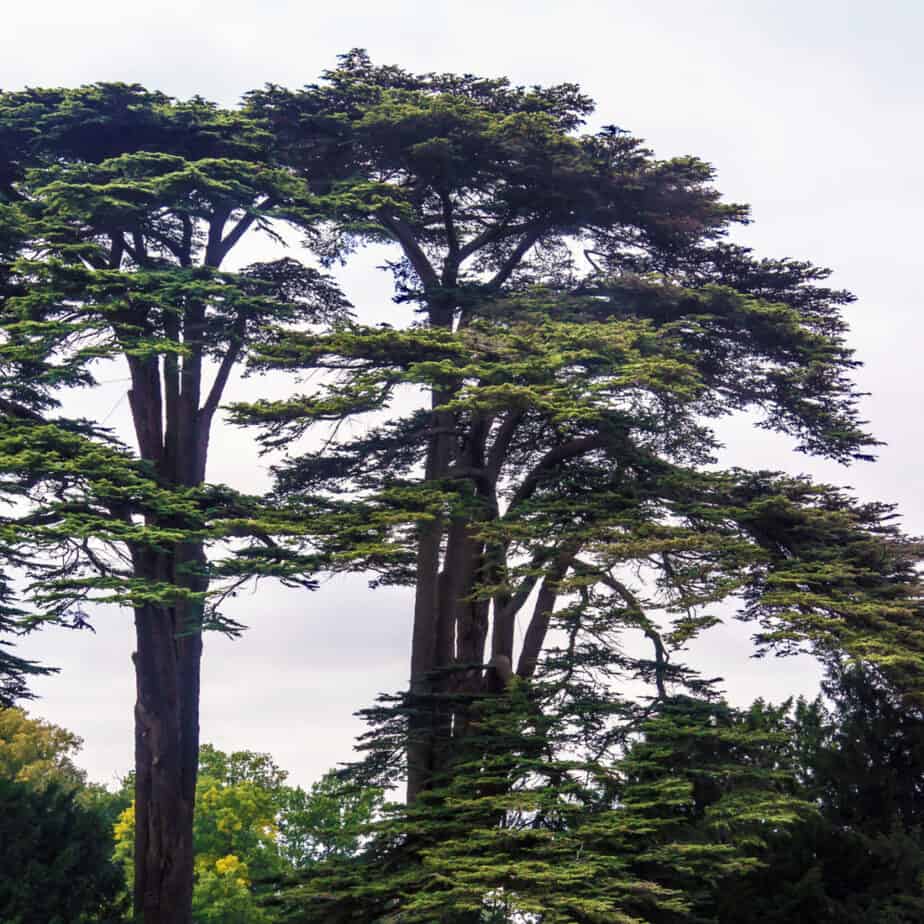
(809, 110)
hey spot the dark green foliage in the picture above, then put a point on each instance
(56, 859)
(861, 857)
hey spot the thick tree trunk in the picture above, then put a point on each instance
(168, 650)
(423, 654)
(427, 624)
(167, 668)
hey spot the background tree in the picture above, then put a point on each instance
(37, 752)
(860, 753)
(130, 202)
(56, 856)
(252, 829)
(56, 834)
(327, 820)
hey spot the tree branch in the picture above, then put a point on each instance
(221, 380)
(497, 454)
(516, 256)
(551, 459)
(542, 612)
(646, 625)
(243, 226)
(412, 249)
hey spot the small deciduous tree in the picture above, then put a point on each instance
(252, 830)
(37, 752)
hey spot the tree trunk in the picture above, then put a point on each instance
(169, 636)
(167, 669)
(426, 630)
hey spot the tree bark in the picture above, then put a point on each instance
(168, 641)
(425, 633)
(167, 669)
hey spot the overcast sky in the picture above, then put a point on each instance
(809, 109)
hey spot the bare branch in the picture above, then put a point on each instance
(497, 455)
(243, 226)
(232, 355)
(645, 624)
(515, 258)
(538, 627)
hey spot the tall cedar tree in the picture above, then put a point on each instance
(128, 205)
(580, 321)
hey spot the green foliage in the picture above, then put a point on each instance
(119, 207)
(55, 830)
(251, 830)
(38, 753)
(223, 894)
(326, 821)
(516, 829)
(15, 672)
(861, 856)
(55, 855)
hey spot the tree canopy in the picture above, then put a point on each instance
(534, 454)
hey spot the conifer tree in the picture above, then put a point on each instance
(581, 320)
(127, 206)
(860, 857)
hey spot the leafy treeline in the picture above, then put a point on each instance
(849, 765)
(533, 455)
(67, 845)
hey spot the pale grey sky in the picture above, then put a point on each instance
(810, 110)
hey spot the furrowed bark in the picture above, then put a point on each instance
(426, 633)
(420, 745)
(423, 652)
